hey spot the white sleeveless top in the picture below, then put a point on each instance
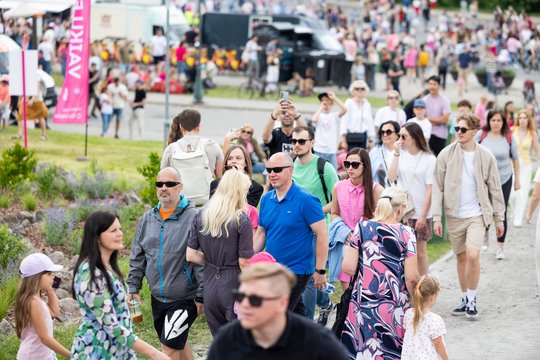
(31, 347)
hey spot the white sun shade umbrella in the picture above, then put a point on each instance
(23, 9)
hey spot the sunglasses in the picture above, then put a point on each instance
(387, 132)
(276, 169)
(463, 130)
(354, 164)
(301, 142)
(359, 89)
(393, 98)
(254, 300)
(247, 132)
(168, 184)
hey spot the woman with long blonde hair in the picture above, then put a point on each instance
(222, 240)
(524, 132)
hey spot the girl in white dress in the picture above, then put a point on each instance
(423, 329)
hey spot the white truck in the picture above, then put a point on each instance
(134, 22)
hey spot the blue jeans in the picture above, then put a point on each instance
(310, 297)
(331, 158)
(258, 168)
(106, 119)
(118, 113)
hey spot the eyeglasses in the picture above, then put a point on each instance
(463, 130)
(168, 184)
(354, 164)
(393, 98)
(300, 142)
(359, 89)
(276, 169)
(387, 132)
(254, 300)
(247, 132)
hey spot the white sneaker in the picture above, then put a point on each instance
(486, 243)
(499, 254)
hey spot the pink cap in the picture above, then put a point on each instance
(37, 263)
(262, 257)
(5, 78)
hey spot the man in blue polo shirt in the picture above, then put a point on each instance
(293, 228)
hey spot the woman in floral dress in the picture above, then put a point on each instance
(106, 330)
(384, 253)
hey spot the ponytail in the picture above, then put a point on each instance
(426, 287)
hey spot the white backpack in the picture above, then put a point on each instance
(192, 162)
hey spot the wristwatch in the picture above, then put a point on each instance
(320, 271)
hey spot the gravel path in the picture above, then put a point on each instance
(508, 303)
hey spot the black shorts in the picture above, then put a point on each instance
(172, 321)
(158, 59)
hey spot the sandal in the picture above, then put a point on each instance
(43, 138)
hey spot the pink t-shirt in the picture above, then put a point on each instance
(410, 58)
(31, 347)
(253, 216)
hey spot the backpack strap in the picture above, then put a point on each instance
(320, 168)
(482, 136)
(508, 136)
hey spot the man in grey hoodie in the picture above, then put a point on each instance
(159, 253)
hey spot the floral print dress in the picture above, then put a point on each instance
(106, 330)
(373, 328)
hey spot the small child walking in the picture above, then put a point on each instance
(423, 329)
(33, 316)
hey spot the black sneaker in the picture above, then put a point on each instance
(461, 309)
(324, 313)
(472, 312)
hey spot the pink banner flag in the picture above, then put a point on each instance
(73, 100)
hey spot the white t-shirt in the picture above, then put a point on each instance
(419, 345)
(469, 204)
(118, 102)
(415, 172)
(326, 134)
(425, 124)
(357, 119)
(105, 102)
(159, 45)
(386, 114)
(47, 50)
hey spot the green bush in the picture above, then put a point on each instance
(98, 184)
(51, 183)
(58, 226)
(81, 212)
(16, 166)
(11, 248)
(8, 292)
(5, 201)
(149, 171)
(74, 247)
(129, 218)
(29, 202)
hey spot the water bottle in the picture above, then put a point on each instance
(329, 288)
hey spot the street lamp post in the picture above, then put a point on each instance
(198, 86)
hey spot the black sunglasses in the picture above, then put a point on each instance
(463, 130)
(254, 300)
(168, 184)
(359, 89)
(276, 169)
(387, 132)
(354, 164)
(301, 142)
(247, 132)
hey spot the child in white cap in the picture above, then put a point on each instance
(33, 316)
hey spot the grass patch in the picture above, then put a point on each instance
(5, 201)
(29, 202)
(112, 155)
(8, 290)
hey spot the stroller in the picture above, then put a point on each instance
(529, 93)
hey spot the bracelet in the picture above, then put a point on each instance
(298, 116)
(396, 154)
(272, 116)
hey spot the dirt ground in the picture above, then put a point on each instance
(508, 303)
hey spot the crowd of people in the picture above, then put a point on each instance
(350, 197)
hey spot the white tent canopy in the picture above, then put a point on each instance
(41, 6)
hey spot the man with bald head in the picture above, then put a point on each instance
(159, 253)
(293, 229)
